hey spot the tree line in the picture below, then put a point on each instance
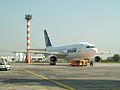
(115, 57)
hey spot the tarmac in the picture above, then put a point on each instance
(42, 76)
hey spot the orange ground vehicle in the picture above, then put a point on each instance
(79, 63)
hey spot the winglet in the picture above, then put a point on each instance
(47, 39)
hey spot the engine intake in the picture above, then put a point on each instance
(97, 59)
(53, 59)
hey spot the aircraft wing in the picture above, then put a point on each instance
(48, 53)
(39, 51)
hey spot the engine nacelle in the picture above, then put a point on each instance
(97, 58)
(52, 59)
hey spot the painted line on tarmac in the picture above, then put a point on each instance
(45, 78)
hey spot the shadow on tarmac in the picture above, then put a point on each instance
(77, 84)
(47, 64)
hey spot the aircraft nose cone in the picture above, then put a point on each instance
(95, 49)
(91, 52)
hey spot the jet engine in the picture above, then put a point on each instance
(52, 59)
(97, 58)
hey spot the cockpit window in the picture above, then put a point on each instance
(90, 46)
(87, 46)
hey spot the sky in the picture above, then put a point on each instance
(67, 22)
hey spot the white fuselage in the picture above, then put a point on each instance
(76, 51)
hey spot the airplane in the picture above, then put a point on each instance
(83, 50)
(68, 52)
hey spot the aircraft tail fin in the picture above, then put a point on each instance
(47, 39)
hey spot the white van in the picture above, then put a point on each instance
(4, 64)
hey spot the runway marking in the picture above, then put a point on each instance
(45, 78)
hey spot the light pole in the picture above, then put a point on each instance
(28, 54)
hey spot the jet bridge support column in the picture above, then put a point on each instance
(28, 54)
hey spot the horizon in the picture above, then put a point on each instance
(66, 21)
